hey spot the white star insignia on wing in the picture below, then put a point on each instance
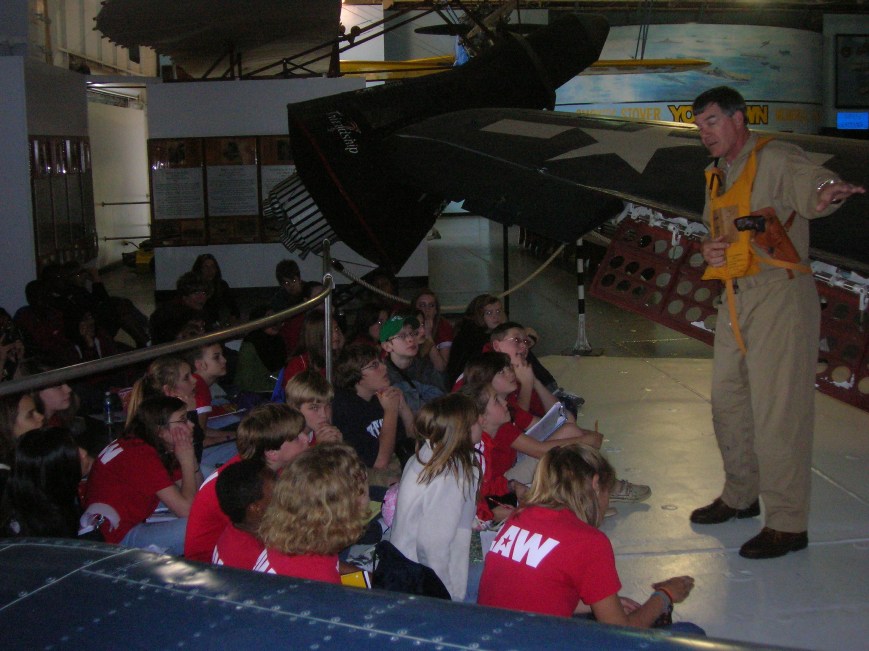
(636, 148)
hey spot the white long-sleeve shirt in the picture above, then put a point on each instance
(433, 522)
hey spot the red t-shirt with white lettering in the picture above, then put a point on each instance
(127, 475)
(301, 566)
(237, 548)
(547, 561)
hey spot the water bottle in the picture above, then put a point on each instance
(107, 410)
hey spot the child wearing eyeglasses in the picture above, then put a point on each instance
(151, 462)
(417, 377)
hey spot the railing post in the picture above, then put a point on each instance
(327, 307)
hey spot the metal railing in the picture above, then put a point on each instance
(67, 373)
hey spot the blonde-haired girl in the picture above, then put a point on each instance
(438, 491)
(551, 558)
(166, 376)
(319, 507)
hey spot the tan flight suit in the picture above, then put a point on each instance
(763, 401)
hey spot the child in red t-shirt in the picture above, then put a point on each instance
(319, 507)
(270, 433)
(244, 491)
(209, 365)
(153, 461)
(551, 558)
(497, 371)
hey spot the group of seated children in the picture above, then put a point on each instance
(296, 494)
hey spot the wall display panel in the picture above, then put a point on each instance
(232, 188)
(177, 191)
(852, 71)
(211, 190)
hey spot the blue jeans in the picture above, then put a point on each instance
(166, 537)
(215, 456)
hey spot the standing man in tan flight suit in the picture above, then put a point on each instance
(766, 341)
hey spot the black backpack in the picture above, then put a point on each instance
(395, 572)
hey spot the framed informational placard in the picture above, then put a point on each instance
(177, 191)
(231, 170)
(852, 71)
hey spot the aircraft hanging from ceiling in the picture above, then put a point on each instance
(375, 167)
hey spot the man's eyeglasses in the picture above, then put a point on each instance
(519, 341)
(407, 336)
(373, 365)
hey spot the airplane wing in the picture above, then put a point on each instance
(561, 175)
(70, 594)
(388, 70)
(196, 33)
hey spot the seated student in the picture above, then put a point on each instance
(367, 323)
(218, 294)
(18, 414)
(417, 378)
(112, 313)
(310, 354)
(11, 346)
(385, 281)
(58, 404)
(174, 316)
(500, 370)
(483, 313)
(209, 365)
(319, 507)
(496, 371)
(261, 356)
(41, 496)
(168, 376)
(271, 433)
(244, 491)
(290, 292)
(435, 331)
(151, 462)
(571, 565)
(40, 323)
(438, 491)
(497, 495)
(311, 394)
(86, 344)
(533, 395)
(371, 414)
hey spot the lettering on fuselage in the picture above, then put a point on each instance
(345, 130)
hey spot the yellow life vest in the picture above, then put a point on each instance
(765, 241)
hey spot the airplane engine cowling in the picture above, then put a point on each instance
(338, 141)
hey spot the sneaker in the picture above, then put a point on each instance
(625, 491)
(610, 512)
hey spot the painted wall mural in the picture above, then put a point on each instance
(777, 70)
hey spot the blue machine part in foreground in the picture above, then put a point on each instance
(63, 594)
